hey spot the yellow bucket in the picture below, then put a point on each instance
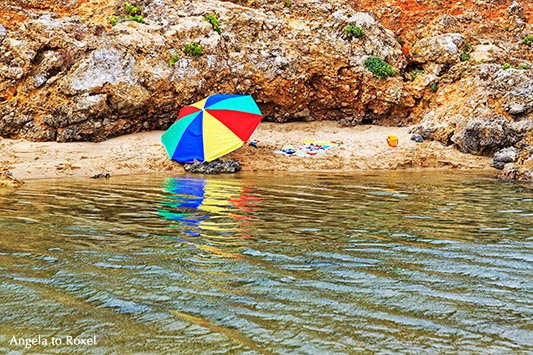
(392, 141)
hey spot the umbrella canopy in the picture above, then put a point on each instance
(211, 128)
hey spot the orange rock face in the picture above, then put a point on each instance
(411, 19)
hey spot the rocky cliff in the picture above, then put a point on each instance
(462, 72)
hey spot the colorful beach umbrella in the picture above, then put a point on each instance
(211, 128)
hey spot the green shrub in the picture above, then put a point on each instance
(416, 73)
(173, 60)
(212, 19)
(136, 18)
(193, 50)
(465, 56)
(353, 32)
(434, 87)
(113, 20)
(133, 13)
(522, 66)
(379, 67)
(132, 10)
(528, 40)
(287, 3)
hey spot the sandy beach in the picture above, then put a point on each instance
(357, 148)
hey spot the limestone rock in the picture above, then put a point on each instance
(504, 156)
(515, 88)
(514, 172)
(486, 53)
(69, 78)
(481, 109)
(218, 166)
(67, 74)
(442, 49)
(479, 137)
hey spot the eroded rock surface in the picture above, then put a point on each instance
(218, 166)
(463, 69)
(69, 78)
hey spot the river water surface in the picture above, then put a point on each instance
(381, 263)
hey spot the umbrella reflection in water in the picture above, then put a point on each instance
(214, 210)
(183, 205)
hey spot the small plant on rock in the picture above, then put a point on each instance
(136, 18)
(113, 20)
(528, 40)
(416, 73)
(193, 50)
(133, 12)
(212, 19)
(506, 66)
(380, 68)
(465, 56)
(353, 31)
(434, 87)
(173, 60)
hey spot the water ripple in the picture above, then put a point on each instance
(257, 264)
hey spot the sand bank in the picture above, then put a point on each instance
(362, 148)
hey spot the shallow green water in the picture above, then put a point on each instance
(387, 263)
